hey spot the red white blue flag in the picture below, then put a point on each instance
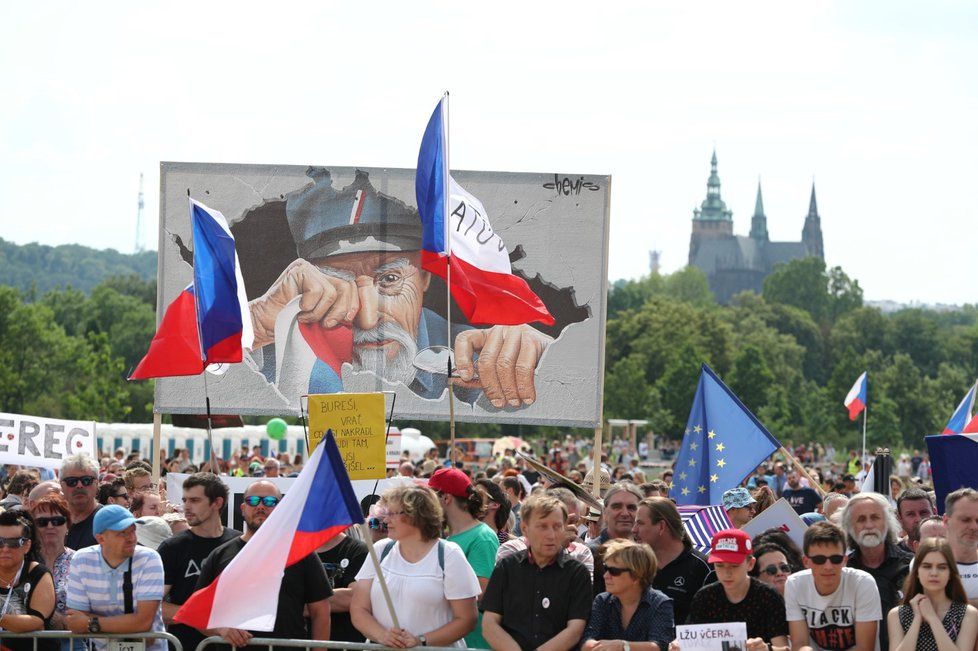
(855, 402)
(455, 227)
(209, 322)
(963, 414)
(320, 505)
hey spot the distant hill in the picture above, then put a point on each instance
(47, 267)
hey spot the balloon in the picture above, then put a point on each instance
(276, 429)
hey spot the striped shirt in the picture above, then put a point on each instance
(95, 587)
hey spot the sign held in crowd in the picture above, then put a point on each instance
(357, 421)
(43, 442)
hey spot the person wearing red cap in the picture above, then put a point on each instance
(738, 597)
(464, 506)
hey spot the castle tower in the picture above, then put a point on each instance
(712, 219)
(811, 235)
(758, 223)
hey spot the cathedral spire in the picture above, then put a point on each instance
(758, 223)
(713, 208)
(811, 235)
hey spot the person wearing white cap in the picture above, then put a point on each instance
(738, 504)
(151, 530)
(115, 586)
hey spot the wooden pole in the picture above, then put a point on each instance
(811, 480)
(596, 469)
(157, 429)
(365, 536)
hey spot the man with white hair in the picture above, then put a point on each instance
(872, 530)
(79, 483)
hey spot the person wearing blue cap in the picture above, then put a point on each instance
(359, 275)
(116, 586)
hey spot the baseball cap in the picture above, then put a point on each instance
(736, 498)
(452, 481)
(152, 530)
(729, 546)
(113, 518)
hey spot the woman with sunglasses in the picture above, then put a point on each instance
(52, 521)
(631, 614)
(27, 598)
(772, 566)
(935, 615)
(430, 582)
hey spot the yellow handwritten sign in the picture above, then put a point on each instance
(357, 421)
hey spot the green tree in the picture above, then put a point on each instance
(751, 379)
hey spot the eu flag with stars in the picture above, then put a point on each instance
(722, 445)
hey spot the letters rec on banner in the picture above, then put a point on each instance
(43, 442)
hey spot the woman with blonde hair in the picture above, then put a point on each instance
(431, 583)
(631, 614)
(935, 614)
(764, 497)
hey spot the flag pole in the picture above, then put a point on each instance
(210, 435)
(448, 287)
(863, 458)
(803, 470)
(365, 536)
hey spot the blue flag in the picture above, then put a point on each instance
(953, 459)
(722, 445)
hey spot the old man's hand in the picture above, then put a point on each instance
(508, 358)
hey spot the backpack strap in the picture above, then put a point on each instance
(441, 555)
(387, 550)
(128, 606)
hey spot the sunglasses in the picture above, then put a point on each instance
(269, 500)
(54, 521)
(784, 568)
(87, 480)
(616, 571)
(377, 523)
(121, 496)
(12, 543)
(835, 559)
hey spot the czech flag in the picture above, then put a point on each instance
(455, 227)
(320, 505)
(856, 400)
(962, 415)
(209, 322)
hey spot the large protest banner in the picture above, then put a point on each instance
(358, 425)
(43, 442)
(331, 262)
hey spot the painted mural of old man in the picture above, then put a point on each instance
(355, 295)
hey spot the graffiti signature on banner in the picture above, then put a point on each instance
(357, 421)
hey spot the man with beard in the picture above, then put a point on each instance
(801, 498)
(872, 529)
(204, 498)
(961, 518)
(79, 483)
(359, 277)
(620, 508)
(304, 584)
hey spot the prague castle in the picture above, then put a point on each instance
(735, 263)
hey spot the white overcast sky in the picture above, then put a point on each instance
(877, 101)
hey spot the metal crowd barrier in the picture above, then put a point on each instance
(117, 641)
(317, 644)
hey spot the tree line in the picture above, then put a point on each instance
(791, 354)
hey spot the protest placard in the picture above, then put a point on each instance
(43, 442)
(357, 421)
(729, 636)
(781, 516)
(393, 449)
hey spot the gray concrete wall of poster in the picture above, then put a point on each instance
(333, 275)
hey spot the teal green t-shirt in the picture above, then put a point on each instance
(479, 544)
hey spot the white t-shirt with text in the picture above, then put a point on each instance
(831, 619)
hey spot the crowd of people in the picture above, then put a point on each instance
(502, 556)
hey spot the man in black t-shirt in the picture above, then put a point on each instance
(738, 597)
(342, 557)
(304, 584)
(204, 497)
(801, 498)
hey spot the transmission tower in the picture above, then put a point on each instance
(139, 218)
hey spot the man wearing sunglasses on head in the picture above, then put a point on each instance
(304, 584)
(830, 606)
(79, 483)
